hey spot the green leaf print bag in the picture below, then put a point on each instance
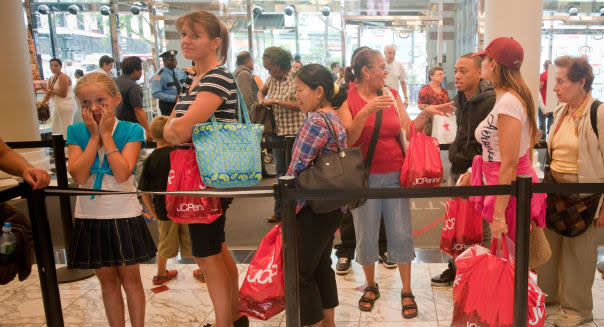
(228, 154)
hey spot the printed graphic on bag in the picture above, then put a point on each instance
(462, 228)
(184, 176)
(228, 154)
(422, 165)
(479, 269)
(262, 294)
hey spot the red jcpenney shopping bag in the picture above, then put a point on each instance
(184, 176)
(262, 294)
(422, 165)
(483, 291)
(462, 228)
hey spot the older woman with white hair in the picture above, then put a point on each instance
(574, 148)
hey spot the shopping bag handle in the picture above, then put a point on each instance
(494, 244)
(241, 108)
(411, 130)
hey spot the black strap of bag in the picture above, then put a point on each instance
(333, 132)
(374, 138)
(593, 115)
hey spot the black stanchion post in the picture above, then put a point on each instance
(290, 253)
(44, 256)
(65, 275)
(524, 193)
(289, 145)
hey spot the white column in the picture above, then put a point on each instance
(520, 19)
(18, 115)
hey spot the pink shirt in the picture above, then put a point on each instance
(388, 156)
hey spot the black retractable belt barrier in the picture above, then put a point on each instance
(523, 189)
(64, 274)
(57, 143)
(524, 194)
(290, 252)
(44, 255)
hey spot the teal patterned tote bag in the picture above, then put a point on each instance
(228, 154)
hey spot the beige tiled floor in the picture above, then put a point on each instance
(187, 302)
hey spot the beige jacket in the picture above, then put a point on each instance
(591, 147)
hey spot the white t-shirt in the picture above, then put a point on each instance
(396, 74)
(109, 206)
(486, 132)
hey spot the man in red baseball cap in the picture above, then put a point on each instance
(505, 51)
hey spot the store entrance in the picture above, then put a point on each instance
(418, 40)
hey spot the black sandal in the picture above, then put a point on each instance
(409, 306)
(242, 322)
(376, 292)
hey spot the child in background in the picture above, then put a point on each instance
(110, 235)
(172, 236)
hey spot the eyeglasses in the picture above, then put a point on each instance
(382, 68)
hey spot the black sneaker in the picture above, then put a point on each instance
(386, 263)
(445, 279)
(343, 266)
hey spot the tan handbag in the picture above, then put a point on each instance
(42, 106)
(539, 249)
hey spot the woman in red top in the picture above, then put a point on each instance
(358, 116)
(433, 94)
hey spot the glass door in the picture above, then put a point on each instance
(411, 37)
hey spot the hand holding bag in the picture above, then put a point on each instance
(344, 169)
(228, 154)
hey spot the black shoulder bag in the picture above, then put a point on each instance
(344, 169)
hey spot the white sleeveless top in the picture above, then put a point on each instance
(67, 100)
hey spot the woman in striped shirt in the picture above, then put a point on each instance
(211, 90)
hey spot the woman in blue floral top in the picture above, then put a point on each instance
(318, 290)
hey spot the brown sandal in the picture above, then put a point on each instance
(197, 274)
(409, 306)
(376, 292)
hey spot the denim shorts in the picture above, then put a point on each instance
(397, 222)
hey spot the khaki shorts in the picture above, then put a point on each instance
(173, 236)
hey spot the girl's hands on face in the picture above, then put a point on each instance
(89, 121)
(107, 120)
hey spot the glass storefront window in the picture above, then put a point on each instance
(80, 40)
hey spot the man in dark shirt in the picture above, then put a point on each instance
(131, 109)
(474, 101)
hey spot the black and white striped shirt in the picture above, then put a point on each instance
(218, 81)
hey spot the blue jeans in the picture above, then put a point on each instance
(279, 157)
(397, 222)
